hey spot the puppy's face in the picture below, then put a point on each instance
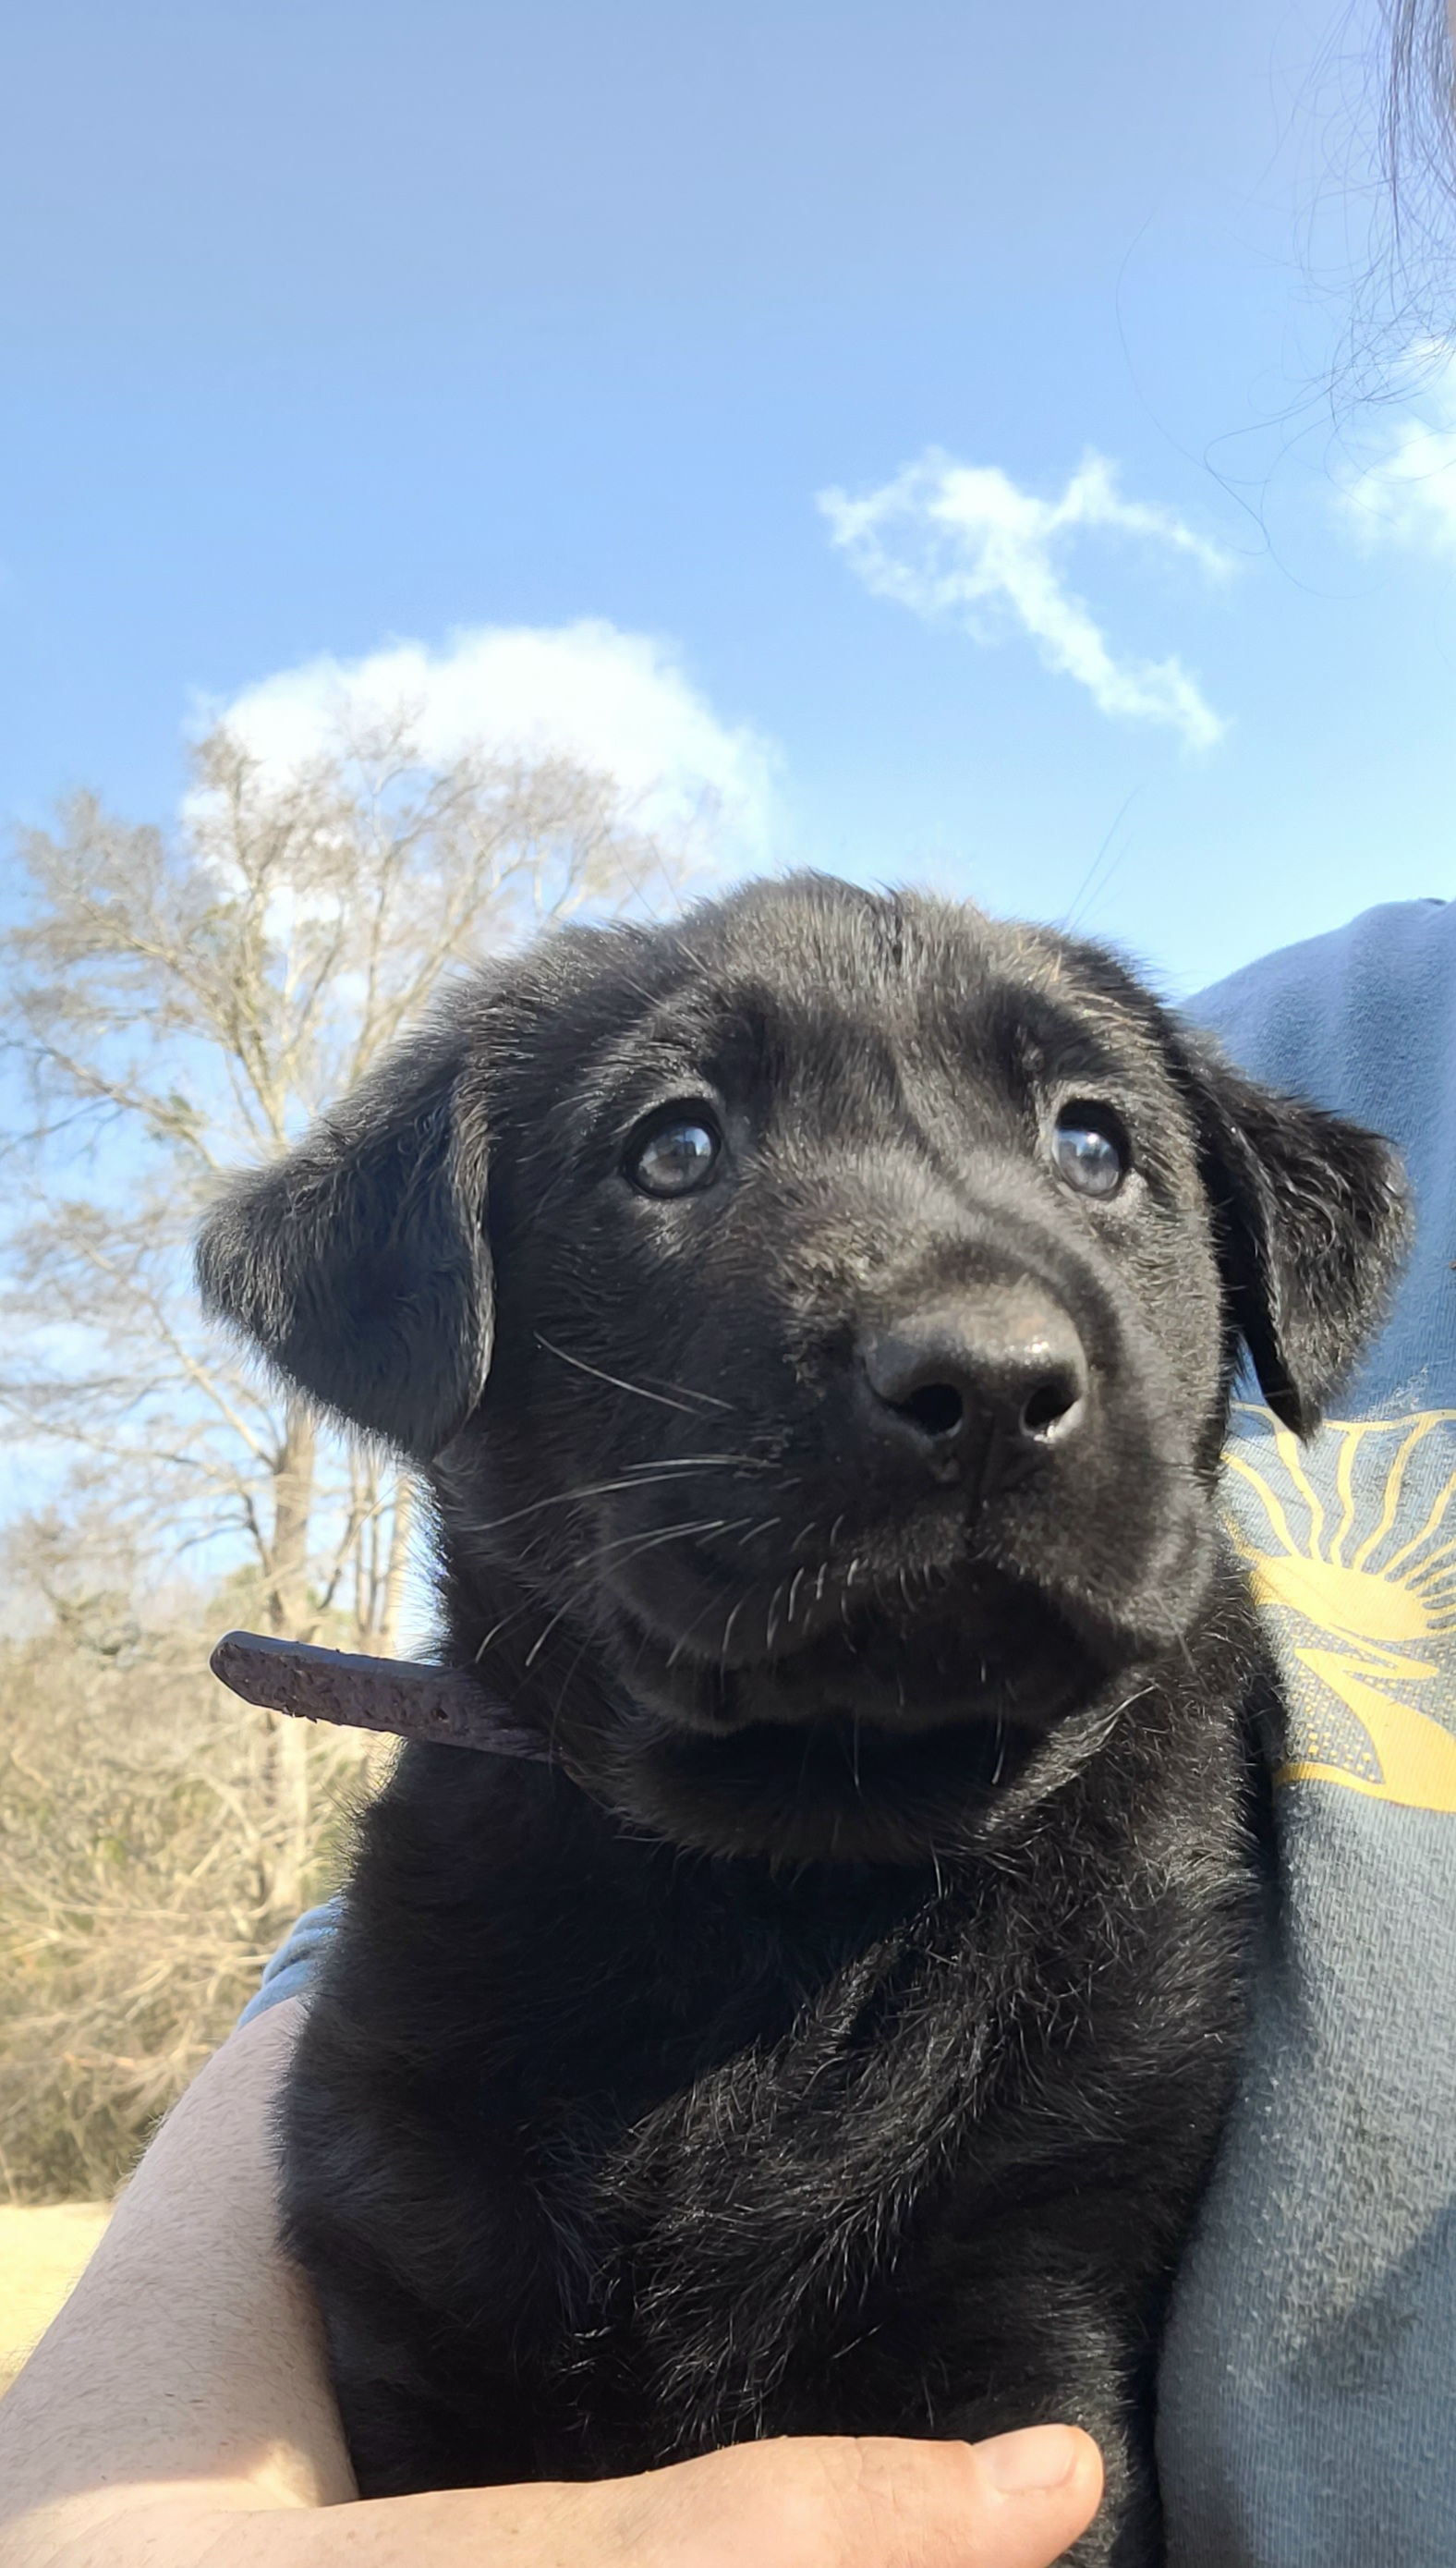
(858, 1355)
(866, 1283)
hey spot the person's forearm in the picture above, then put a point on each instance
(190, 2349)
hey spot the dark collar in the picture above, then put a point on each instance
(398, 1695)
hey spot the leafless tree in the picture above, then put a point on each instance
(183, 1000)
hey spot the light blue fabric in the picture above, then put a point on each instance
(291, 1969)
(1308, 2408)
(1363, 1021)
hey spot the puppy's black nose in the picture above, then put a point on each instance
(1007, 1358)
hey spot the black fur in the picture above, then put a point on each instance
(835, 2037)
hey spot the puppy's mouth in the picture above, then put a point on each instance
(885, 1738)
(992, 1651)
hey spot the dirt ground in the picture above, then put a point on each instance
(42, 2253)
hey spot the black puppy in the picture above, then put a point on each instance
(818, 1321)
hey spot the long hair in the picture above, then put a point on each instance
(1418, 126)
(1418, 162)
(1382, 100)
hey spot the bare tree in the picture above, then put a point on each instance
(180, 1001)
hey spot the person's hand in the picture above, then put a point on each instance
(1016, 2502)
(179, 2415)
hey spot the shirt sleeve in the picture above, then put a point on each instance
(291, 1970)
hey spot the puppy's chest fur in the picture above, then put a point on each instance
(601, 2156)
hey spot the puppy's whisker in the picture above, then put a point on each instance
(558, 1498)
(678, 1645)
(668, 1463)
(616, 1379)
(681, 1643)
(765, 1524)
(688, 1392)
(632, 1543)
(544, 1635)
(496, 1629)
(515, 1614)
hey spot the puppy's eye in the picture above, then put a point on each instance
(676, 1158)
(1091, 1148)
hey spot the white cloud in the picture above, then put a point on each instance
(616, 702)
(962, 541)
(1406, 494)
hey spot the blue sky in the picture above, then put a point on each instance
(324, 327)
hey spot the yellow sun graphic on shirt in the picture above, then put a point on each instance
(1351, 1547)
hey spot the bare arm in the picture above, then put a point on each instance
(178, 2415)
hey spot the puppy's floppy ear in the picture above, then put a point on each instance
(359, 1264)
(1312, 1218)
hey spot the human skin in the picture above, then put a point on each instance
(178, 2415)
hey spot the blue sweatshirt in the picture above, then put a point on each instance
(1308, 2410)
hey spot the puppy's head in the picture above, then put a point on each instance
(818, 1320)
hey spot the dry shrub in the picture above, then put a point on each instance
(146, 1833)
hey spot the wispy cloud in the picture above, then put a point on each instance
(963, 541)
(616, 702)
(1406, 493)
